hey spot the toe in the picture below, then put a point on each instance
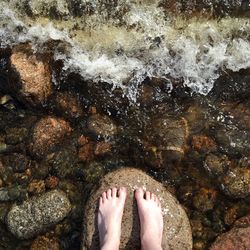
(104, 196)
(109, 194)
(114, 192)
(122, 192)
(153, 197)
(139, 193)
(148, 195)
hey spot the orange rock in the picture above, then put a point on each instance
(34, 75)
(45, 243)
(203, 143)
(230, 216)
(86, 152)
(47, 133)
(51, 182)
(36, 187)
(82, 140)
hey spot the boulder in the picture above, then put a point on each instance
(177, 232)
(33, 76)
(36, 215)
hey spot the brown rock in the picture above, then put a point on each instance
(101, 126)
(34, 83)
(203, 143)
(36, 187)
(1, 183)
(177, 232)
(51, 182)
(230, 216)
(45, 243)
(68, 105)
(243, 221)
(205, 199)
(47, 133)
(102, 148)
(236, 183)
(236, 238)
(86, 152)
(82, 140)
(216, 165)
(165, 141)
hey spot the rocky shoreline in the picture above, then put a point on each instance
(58, 141)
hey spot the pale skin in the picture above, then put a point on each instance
(111, 206)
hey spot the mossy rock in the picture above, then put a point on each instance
(177, 232)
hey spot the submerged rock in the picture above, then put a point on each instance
(33, 80)
(165, 141)
(177, 232)
(102, 126)
(45, 243)
(37, 214)
(236, 238)
(236, 183)
(47, 133)
(216, 165)
(68, 105)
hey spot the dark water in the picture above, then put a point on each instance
(197, 145)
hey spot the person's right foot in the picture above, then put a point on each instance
(151, 219)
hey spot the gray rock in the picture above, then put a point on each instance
(177, 232)
(37, 214)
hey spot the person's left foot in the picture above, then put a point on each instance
(111, 206)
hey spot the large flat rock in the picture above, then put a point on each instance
(177, 232)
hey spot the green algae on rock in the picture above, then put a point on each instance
(177, 231)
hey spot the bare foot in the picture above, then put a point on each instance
(151, 220)
(111, 206)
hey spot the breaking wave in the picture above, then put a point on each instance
(125, 43)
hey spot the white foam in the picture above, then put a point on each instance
(142, 43)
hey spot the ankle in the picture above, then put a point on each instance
(110, 244)
(147, 244)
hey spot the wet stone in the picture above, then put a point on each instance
(51, 182)
(177, 232)
(36, 187)
(236, 183)
(37, 214)
(45, 243)
(102, 126)
(203, 143)
(205, 199)
(102, 148)
(232, 140)
(47, 134)
(18, 162)
(33, 80)
(64, 161)
(165, 141)
(15, 135)
(216, 165)
(68, 105)
(236, 238)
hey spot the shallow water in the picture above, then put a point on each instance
(175, 80)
